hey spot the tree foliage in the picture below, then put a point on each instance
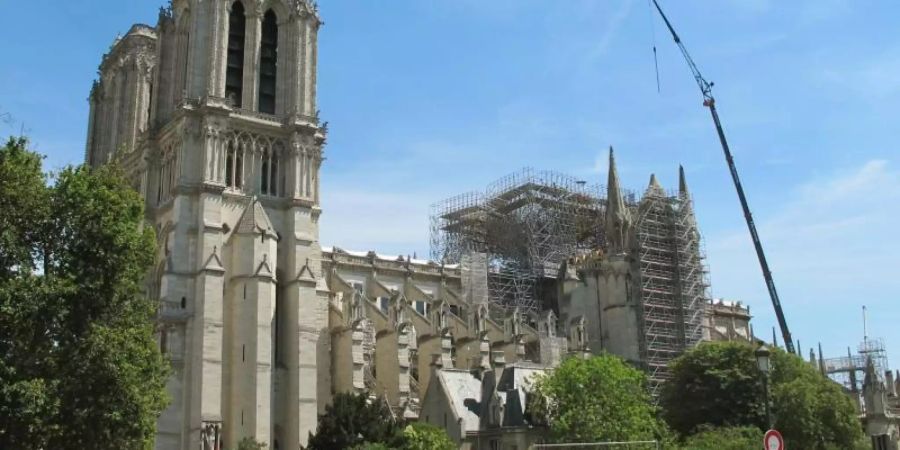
(719, 385)
(716, 385)
(596, 399)
(423, 436)
(352, 420)
(79, 366)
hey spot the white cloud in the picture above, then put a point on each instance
(832, 245)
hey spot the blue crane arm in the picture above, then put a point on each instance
(710, 102)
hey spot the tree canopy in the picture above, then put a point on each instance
(423, 436)
(352, 420)
(600, 398)
(79, 365)
(718, 384)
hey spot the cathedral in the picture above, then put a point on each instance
(212, 113)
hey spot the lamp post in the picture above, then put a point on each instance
(762, 361)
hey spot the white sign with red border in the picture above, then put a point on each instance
(773, 440)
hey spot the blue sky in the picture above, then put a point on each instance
(429, 98)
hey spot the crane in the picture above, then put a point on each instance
(710, 102)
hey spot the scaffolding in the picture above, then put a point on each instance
(522, 228)
(525, 224)
(673, 280)
(850, 371)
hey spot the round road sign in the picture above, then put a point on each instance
(773, 440)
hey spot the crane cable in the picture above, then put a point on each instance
(653, 42)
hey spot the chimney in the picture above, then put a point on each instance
(499, 360)
(484, 347)
(447, 351)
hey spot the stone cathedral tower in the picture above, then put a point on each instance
(213, 114)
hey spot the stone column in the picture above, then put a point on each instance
(251, 59)
(306, 309)
(218, 48)
(207, 327)
(298, 60)
(283, 103)
(312, 66)
(92, 123)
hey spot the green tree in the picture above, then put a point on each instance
(24, 202)
(79, 365)
(596, 399)
(422, 436)
(351, 420)
(718, 384)
(737, 438)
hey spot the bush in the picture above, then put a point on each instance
(733, 438)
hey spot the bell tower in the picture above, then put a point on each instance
(225, 144)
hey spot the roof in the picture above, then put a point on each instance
(388, 257)
(255, 220)
(519, 377)
(464, 394)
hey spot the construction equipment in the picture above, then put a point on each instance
(710, 102)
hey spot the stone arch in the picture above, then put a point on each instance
(278, 7)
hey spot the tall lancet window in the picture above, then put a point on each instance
(269, 175)
(234, 166)
(234, 73)
(268, 63)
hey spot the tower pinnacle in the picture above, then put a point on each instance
(682, 182)
(618, 217)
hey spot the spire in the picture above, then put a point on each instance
(821, 360)
(654, 189)
(682, 183)
(871, 379)
(618, 217)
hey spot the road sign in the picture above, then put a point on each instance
(773, 440)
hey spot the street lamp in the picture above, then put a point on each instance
(762, 361)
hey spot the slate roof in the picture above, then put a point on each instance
(464, 392)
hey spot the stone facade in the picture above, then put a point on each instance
(880, 408)
(212, 113)
(232, 190)
(725, 320)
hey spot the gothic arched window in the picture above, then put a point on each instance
(234, 165)
(269, 173)
(268, 63)
(234, 73)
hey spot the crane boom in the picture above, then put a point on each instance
(710, 102)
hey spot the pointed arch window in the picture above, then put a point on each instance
(234, 73)
(268, 63)
(269, 175)
(234, 166)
